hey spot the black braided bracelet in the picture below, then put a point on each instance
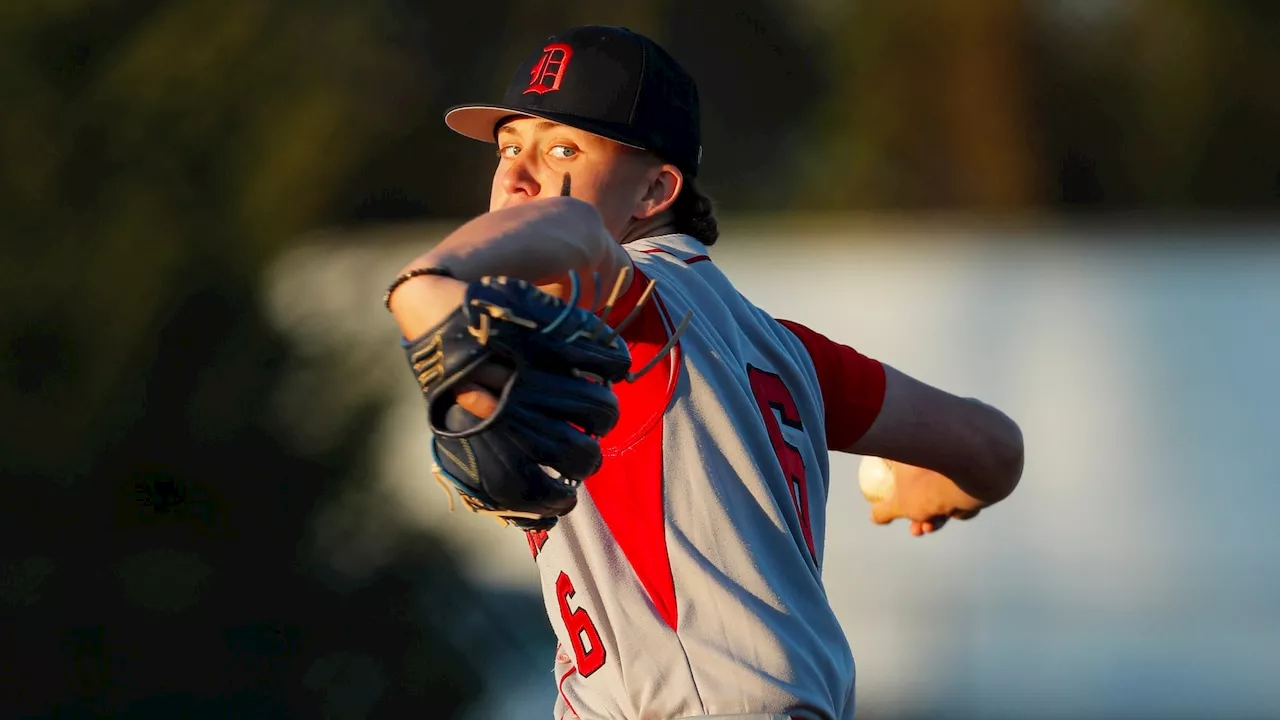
(416, 272)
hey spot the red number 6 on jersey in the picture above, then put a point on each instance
(771, 394)
(578, 623)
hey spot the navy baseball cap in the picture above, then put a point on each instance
(608, 81)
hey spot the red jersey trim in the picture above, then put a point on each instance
(687, 261)
(643, 402)
(852, 386)
(560, 689)
(628, 489)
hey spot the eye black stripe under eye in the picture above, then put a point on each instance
(564, 187)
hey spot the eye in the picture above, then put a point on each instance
(506, 152)
(563, 152)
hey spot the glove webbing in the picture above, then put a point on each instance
(565, 186)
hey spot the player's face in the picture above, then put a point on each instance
(535, 154)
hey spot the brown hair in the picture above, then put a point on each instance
(694, 214)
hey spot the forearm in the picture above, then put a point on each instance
(997, 454)
(975, 445)
(539, 242)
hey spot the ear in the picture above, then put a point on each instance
(665, 182)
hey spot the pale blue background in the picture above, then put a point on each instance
(1136, 571)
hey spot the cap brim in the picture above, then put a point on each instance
(480, 122)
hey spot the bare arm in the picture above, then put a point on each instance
(973, 444)
(536, 241)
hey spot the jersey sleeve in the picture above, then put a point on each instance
(852, 386)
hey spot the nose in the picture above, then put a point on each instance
(519, 179)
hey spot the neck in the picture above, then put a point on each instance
(662, 224)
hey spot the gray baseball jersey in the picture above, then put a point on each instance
(688, 580)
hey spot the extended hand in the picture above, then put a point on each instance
(926, 498)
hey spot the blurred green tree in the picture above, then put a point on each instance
(157, 155)
(1005, 106)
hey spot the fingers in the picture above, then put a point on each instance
(920, 528)
(477, 401)
(885, 512)
(937, 522)
(479, 395)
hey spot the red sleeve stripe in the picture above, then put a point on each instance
(688, 261)
(852, 386)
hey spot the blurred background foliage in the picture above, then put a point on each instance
(156, 155)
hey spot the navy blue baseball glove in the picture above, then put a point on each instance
(523, 463)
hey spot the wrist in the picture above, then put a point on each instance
(410, 273)
(422, 302)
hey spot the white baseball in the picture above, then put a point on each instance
(875, 477)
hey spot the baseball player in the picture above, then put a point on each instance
(687, 579)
